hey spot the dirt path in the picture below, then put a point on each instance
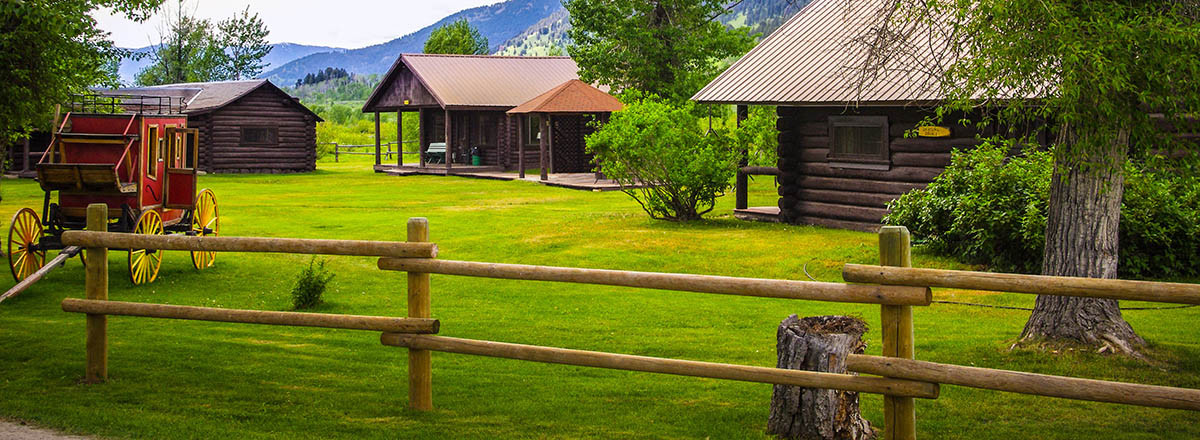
(10, 430)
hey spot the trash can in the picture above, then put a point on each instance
(476, 156)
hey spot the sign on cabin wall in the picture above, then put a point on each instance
(933, 131)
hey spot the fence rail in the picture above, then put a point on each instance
(1035, 284)
(896, 289)
(337, 149)
(768, 288)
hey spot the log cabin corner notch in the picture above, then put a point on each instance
(245, 126)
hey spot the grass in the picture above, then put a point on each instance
(176, 379)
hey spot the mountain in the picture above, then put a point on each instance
(497, 22)
(281, 53)
(761, 16)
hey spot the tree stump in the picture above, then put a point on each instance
(819, 343)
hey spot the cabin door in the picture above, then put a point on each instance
(182, 154)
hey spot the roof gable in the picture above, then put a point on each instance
(811, 60)
(573, 96)
(467, 81)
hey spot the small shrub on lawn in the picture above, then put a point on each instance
(988, 208)
(663, 157)
(310, 285)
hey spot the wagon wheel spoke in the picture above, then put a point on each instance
(205, 222)
(144, 263)
(24, 235)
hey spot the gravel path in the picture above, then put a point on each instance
(10, 430)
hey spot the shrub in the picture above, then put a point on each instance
(663, 157)
(310, 285)
(988, 208)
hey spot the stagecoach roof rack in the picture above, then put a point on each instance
(126, 104)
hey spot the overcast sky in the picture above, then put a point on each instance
(342, 23)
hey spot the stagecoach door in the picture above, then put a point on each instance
(182, 154)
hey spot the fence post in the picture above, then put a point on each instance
(97, 288)
(335, 152)
(420, 365)
(899, 413)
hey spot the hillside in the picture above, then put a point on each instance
(762, 16)
(281, 53)
(497, 22)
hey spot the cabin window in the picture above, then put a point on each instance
(859, 142)
(532, 129)
(260, 135)
(153, 151)
(488, 126)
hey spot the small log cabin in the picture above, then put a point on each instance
(461, 102)
(843, 154)
(245, 126)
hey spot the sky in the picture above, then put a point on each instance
(346, 24)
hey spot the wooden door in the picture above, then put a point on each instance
(182, 156)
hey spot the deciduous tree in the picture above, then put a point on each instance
(1104, 75)
(459, 38)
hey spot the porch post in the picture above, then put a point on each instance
(550, 134)
(25, 158)
(521, 146)
(543, 128)
(421, 137)
(742, 185)
(378, 160)
(400, 138)
(449, 142)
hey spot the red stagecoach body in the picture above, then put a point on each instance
(136, 155)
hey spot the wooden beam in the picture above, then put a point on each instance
(299, 319)
(96, 288)
(421, 144)
(543, 126)
(746, 373)
(521, 125)
(769, 288)
(896, 324)
(550, 142)
(449, 142)
(58, 261)
(742, 184)
(1034, 284)
(250, 244)
(378, 160)
(400, 138)
(420, 363)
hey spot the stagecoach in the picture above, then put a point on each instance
(137, 155)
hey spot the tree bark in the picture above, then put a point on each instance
(1082, 241)
(819, 343)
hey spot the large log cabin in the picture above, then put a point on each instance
(843, 150)
(462, 102)
(245, 126)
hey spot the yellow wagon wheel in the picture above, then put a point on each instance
(24, 235)
(144, 263)
(205, 221)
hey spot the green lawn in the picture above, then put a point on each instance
(174, 379)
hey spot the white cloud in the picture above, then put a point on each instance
(344, 23)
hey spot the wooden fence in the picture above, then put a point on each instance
(337, 149)
(895, 287)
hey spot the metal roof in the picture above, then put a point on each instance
(481, 80)
(203, 97)
(572, 97)
(812, 60)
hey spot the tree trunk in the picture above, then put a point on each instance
(819, 343)
(1082, 241)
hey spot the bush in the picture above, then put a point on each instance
(988, 208)
(310, 285)
(664, 158)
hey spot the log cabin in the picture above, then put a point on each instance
(245, 126)
(843, 151)
(462, 104)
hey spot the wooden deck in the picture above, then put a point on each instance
(579, 181)
(758, 214)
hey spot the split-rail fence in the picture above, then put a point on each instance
(893, 285)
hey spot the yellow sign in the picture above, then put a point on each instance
(933, 131)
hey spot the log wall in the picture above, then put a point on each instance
(814, 191)
(221, 148)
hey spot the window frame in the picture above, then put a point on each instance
(272, 132)
(153, 151)
(879, 161)
(531, 133)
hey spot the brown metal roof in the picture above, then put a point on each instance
(203, 97)
(573, 96)
(811, 60)
(481, 80)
